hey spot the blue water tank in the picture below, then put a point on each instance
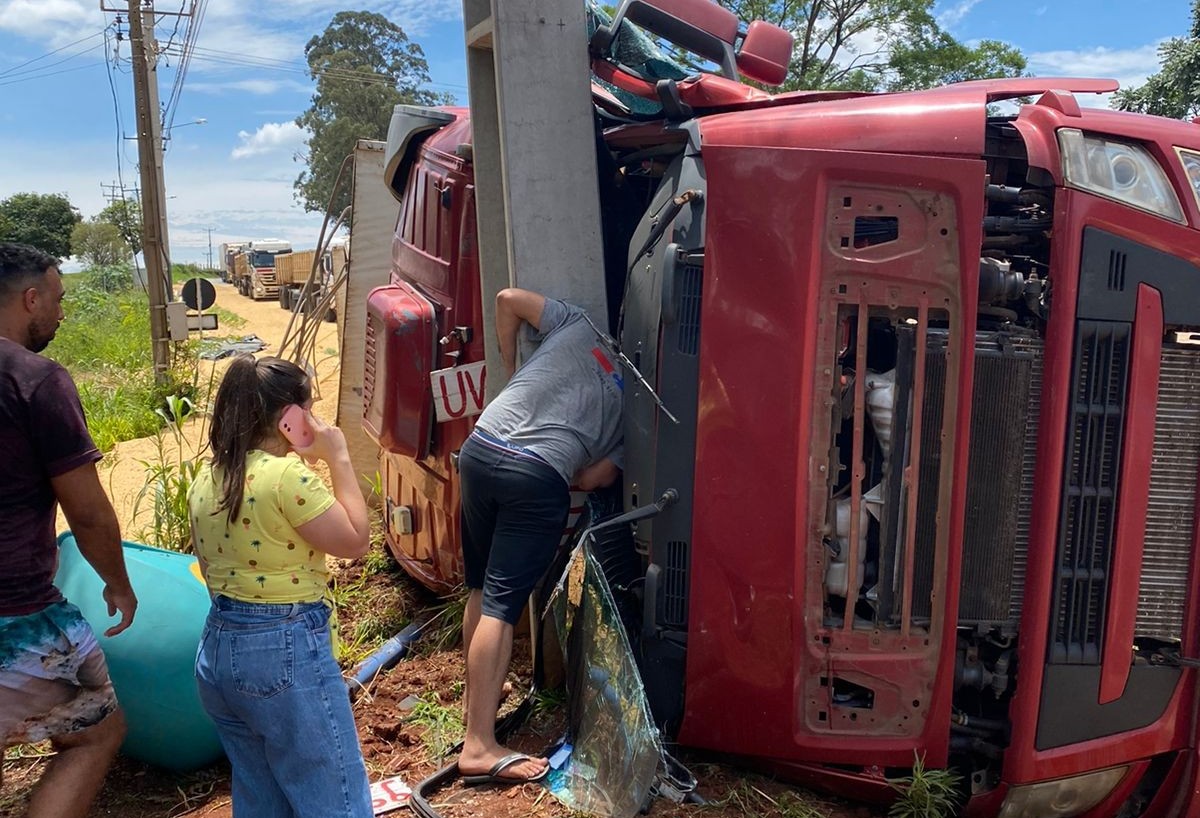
(152, 663)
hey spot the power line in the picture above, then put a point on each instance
(195, 20)
(49, 74)
(116, 99)
(270, 64)
(52, 53)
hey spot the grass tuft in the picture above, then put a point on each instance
(442, 726)
(926, 793)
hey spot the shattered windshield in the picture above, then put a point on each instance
(611, 756)
(638, 52)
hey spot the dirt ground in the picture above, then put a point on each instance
(393, 741)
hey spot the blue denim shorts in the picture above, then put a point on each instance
(268, 680)
(514, 507)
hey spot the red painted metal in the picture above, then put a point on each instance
(1137, 454)
(1172, 731)
(702, 91)
(756, 612)
(399, 416)
(435, 254)
(762, 657)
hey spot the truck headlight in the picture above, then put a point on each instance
(1122, 171)
(1061, 798)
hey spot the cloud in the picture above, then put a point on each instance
(260, 87)
(53, 23)
(1128, 66)
(269, 138)
(954, 15)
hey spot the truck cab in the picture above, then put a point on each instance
(936, 372)
(255, 272)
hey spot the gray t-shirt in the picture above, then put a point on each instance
(564, 401)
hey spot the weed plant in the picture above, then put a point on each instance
(926, 793)
(168, 480)
(751, 800)
(445, 628)
(442, 725)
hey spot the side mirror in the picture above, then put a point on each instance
(765, 53)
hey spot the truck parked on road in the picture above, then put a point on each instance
(293, 271)
(229, 253)
(936, 371)
(254, 268)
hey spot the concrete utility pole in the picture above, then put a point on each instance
(209, 229)
(155, 249)
(537, 196)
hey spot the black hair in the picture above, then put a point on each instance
(246, 412)
(22, 266)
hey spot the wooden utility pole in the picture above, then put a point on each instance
(155, 249)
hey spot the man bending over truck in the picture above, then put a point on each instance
(556, 423)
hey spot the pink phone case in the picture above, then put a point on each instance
(294, 425)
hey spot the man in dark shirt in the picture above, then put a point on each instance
(53, 678)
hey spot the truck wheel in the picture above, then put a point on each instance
(283, 297)
(331, 315)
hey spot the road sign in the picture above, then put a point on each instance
(199, 293)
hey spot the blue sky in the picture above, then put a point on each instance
(66, 113)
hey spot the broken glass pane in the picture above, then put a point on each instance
(614, 746)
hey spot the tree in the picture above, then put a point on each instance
(364, 65)
(126, 215)
(872, 45)
(44, 220)
(1175, 90)
(99, 243)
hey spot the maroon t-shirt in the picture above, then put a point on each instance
(42, 435)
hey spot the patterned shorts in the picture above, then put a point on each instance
(53, 677)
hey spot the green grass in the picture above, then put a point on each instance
(749, 799)
(105, 344)
(442, 725)
(182, 272)
(445, 630)
(926, 793)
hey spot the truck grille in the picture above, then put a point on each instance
(1085, 534)
(1170, 517)
(368, 386)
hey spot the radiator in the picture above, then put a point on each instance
(1170, 518)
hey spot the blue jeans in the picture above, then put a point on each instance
(268, 679)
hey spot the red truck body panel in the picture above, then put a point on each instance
(797, 293)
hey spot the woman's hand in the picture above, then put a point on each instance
(329, 443)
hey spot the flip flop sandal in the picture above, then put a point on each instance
(493, 776)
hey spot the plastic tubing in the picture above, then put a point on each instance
(388, 654)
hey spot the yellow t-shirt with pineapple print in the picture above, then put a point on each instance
(259, 557)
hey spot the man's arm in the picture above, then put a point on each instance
(601, 474)
(512, 307)
(98, 534)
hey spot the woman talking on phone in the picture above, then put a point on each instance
(262, 524)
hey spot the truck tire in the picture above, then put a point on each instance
(331, 315)
(283, 298)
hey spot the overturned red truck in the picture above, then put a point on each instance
(937, 371)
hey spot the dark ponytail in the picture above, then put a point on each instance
(251, 397)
